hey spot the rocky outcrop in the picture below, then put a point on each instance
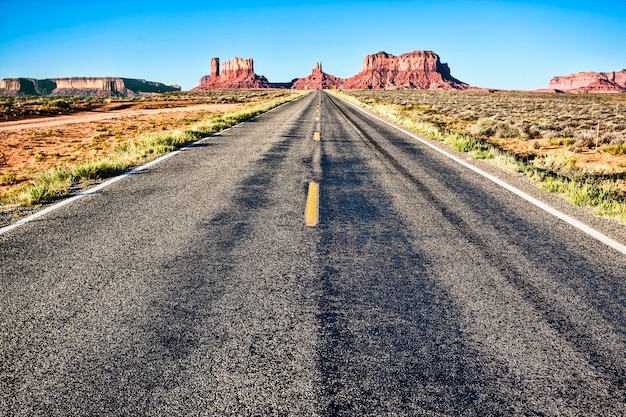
(82, 86)
(591, 82)
(318, 80)
(215, 67)
(413, 70)
(26, 87)
(236, 73)
(417, 70)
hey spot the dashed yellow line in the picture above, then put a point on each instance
(316, 136)
(312, 211)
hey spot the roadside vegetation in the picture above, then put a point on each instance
(98, 150)
(570, 144)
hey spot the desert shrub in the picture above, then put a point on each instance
(59, 104)
(484, 127)
(561, 141)
(549, 133)
(585, 134)
(559, 163)
(585, 142)
(505, 130)
(612, 138)
(615, 148)
(8, 178)
(527, 130)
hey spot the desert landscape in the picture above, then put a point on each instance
(415, 208)
(564, 137)
(572, 144)
(51, 147)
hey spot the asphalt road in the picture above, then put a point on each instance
(195, 288)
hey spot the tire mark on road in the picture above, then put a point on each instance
(609, 361)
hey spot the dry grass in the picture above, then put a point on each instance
(42, 163)
(572, 144)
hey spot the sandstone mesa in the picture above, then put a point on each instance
(413, 70)
(236, 73)
(82, 86)
(590, 82)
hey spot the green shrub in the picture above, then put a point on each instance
(8, 178)
(614, 149)
(59, 104)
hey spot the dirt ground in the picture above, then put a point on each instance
(30, 146)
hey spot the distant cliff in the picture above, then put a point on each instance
(591, 82)
(82, 86)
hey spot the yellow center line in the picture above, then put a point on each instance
(316, 136)
(312, 211)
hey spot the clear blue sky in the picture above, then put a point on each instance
(496, 44)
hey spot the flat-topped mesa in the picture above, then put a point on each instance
(318, 80)
(591, 82)
(417, 69)
(236, 73)
(82, 86)
(107, 84)
(26, 87)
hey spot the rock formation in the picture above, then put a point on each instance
(236, 73)
(318, 80)
(417, 69)
(82, 86)
(215, 67)
(591, 82)
(26, 87)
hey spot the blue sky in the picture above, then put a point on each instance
(495, 44)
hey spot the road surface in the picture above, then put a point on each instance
(195, 287)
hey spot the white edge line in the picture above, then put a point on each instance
(113, 180)
(596, 234)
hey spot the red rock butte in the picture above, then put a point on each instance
(318, 80)
(413, 70)
(591, 82)
(236, 73)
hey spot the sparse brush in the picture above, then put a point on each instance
(569, 122)
(57, 182)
